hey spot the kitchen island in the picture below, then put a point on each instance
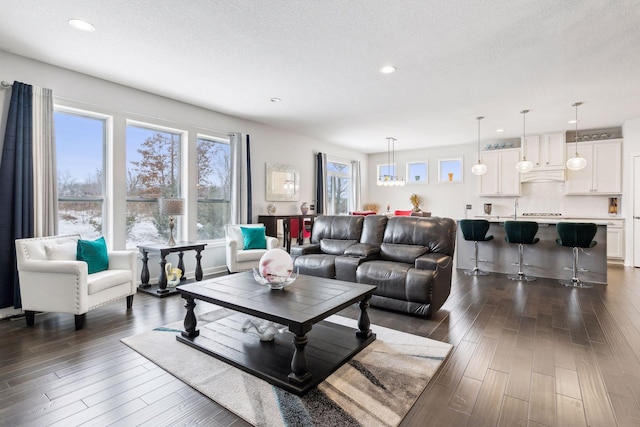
(546, 258)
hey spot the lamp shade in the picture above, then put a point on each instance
(171, 206)
(524, 166)
(576, 163)
(479, 169)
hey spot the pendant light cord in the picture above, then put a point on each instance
(524, 131)
(577, 104)
(478, 119)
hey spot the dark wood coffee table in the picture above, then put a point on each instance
(301, 306)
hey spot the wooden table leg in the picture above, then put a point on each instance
(364, 324)
(162, 278)
(198, 266)
(286, 230)
(144, 276)
(190, 321)
(299, 363)
(181, 265)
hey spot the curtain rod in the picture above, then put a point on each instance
(5, 84)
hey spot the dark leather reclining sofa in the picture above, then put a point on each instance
(409, 259)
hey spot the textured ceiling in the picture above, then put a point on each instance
(456, 60)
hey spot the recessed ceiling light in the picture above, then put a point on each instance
(572, 121)
(499, 130)
(276, 99)
(82, 25)
(388, 69)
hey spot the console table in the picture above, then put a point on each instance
(271, 226)
(164, 250)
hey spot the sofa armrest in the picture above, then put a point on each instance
(363, 250)
(442, 266)
(272, 242)
(55, 267)
(122, 260)
(433, 261)
(305, 249)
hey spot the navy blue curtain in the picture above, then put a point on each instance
(320, 184)
(249, 196)
(16, 190)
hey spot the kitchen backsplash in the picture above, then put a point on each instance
(548, 197)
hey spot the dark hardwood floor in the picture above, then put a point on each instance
(534, 354)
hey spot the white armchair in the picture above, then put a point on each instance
(52, 280)
(239, 258)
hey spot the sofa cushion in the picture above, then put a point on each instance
(338, 227)
(250, 255)
(253, 238)
(107, 279)
(402, 253)
(94, 253)
(334, 246)
(319, 265)
(62, 252)
(388, 276)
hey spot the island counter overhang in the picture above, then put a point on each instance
(546, 258)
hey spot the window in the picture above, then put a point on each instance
(214, 187)
(417, 172)
(338, 187)
(80, 146)
(450, 170)
(153, 171)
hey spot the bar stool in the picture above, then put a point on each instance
(576, 235)
(475, 230)
(522, 233)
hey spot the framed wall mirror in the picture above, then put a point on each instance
(283, 183)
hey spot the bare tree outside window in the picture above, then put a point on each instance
(214, 187)
(338, 188)
(153, 171)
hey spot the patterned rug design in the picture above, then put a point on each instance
(376, 388)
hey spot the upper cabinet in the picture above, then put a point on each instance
(603, 174)
(545, 151)
(501, 178)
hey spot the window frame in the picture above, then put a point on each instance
(107, 166)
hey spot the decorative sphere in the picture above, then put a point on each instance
(276, 265)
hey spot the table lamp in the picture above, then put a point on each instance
(171, 206)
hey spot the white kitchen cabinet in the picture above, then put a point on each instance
(545, 151)
(603, 174)
(615, 239)
(501, 178)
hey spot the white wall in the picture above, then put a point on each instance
(441, 199)
(449, 200)
(268, 144)
(630, 148)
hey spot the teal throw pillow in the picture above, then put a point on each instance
(94, 253)
(254, 237)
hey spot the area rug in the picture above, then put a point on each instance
(376, 388)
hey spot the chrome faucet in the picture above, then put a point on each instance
(515, 209)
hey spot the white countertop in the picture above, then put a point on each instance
(551, 219)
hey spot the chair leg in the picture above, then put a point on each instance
(521, 276)
(130, 301)
(575, 282)
(30, 317)
(476, 270)
(80, 321)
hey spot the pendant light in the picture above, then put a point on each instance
(479, 168)
(389, 180)
(524, 165)
(576, 163)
